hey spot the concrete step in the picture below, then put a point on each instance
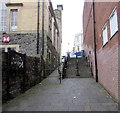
(84, 69)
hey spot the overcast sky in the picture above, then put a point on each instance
(71, 21)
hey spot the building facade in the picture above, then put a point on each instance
(78, 42)
(101, 21)
(3, 13)
(34, 30)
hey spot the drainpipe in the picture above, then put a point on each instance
(43, 27)
(38, 24)
(95, 45)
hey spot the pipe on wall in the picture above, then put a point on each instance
(95, 43)
(38, 25)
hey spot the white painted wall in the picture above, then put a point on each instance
(78, 42)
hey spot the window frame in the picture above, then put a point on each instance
(13, 19)
(114, 12)
(3, 19)
(105, 37)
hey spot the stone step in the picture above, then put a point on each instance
(84, 69)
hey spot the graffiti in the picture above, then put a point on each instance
(17, 61)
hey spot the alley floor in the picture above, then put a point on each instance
(73, 94)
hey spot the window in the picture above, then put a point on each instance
(3, 14)
(49, 55)
(78, 39)
(13, 19)
(78, 48)
(3, 20)
(105, 35)
(113, 23)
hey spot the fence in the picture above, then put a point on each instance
(19, 73)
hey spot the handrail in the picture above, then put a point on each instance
(64, 67)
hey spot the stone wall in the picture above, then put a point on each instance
(52, 63)
(26, 41)
(17, 82)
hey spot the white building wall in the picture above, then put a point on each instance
(78, 42)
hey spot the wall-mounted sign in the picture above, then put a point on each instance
(78, 53)
(5, 39)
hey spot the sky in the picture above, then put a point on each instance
(71, 21)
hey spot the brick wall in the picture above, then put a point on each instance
(119, 57)
(108, 69)
(107, 55)
(88, 35)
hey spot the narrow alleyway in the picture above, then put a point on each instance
(74, 94)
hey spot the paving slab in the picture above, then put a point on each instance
(74, 94)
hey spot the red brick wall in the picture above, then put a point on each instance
(119, 55)
(107, 56)
(86, 15)
(88, 33)
(108, 69)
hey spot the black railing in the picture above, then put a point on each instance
(77, 67)
(64, 67)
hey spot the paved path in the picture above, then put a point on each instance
(76, 94)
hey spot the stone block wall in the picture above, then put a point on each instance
(17, 82)
(52, 63)
(34, 68)
(26, 41)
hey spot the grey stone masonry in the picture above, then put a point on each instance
(26, 41)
